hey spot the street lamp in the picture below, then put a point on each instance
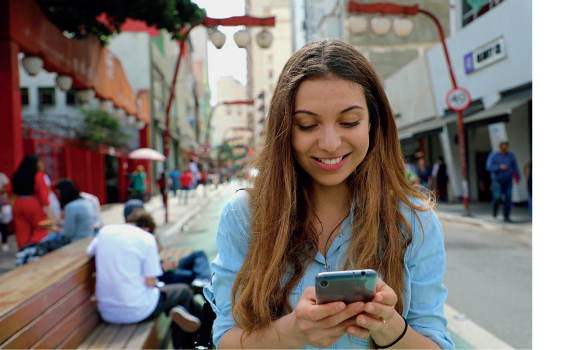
(403, 26)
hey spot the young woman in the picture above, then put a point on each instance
(31, 199)
(331, 195)
(79, 214)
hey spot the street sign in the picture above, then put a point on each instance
(204, 150)
(458, 99)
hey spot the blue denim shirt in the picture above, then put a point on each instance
(425, 263)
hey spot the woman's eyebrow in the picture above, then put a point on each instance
(342, 112)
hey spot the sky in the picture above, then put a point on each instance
(229, 60)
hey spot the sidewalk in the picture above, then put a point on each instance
(481, 216)
(179, 213)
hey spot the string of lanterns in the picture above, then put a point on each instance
(381, 25)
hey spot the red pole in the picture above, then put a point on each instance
(171, 93)
(461, 135)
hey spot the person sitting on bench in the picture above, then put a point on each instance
(127, 267)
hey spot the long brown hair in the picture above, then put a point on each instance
(283, 240)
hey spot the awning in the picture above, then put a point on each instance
(86, 60)
(501, 111)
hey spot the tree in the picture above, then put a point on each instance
(78, 19)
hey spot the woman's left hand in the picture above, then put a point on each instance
(379, 316)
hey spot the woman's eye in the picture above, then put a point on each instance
(305, 127)
(350, 125)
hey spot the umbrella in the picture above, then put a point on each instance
(147, 154)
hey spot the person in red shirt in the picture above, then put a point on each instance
(186, 179)
(31, 198)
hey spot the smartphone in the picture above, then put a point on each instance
(347, 286)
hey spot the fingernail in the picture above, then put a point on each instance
(352, 331)
(340, 306)
(362, 321)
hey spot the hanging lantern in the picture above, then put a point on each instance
(86, 96)
(242, 39)
(264, 39)
(358, 25)
(381, 25)
(120, 114)
(218, 38)
(140, 124)
(32, 64)
(64, 82)
(106, 106)
(403, 26)
(130, 120)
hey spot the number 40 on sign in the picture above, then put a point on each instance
(458, 99)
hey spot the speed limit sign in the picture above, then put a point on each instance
(458, 99)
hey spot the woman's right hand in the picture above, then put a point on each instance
(321, 325)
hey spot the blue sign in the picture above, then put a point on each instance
(468, 63)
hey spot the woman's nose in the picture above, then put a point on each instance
(330, 140)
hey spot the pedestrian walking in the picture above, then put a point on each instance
(503, 168)
(138, 183)
(174, 176)
(440, 176)
(423, 173)
(527, 171)
(186, 180)
(31, 201)
(331, 195)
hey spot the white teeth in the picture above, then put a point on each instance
(331, 161)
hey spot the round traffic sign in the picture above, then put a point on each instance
(205, 149)
(458, 99)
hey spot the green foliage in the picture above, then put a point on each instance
(101, 128)
(78, 18)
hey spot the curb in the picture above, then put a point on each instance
(471, 332)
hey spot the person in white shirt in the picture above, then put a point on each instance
(127, 267)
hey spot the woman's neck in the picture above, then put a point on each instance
(331, 200)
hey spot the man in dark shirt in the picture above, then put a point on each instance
(503, 167)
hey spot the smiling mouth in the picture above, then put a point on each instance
(331, 161)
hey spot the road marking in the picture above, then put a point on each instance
(472, 332)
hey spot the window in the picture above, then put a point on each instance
(25, 96)
(469, 15)
(72, 98)
(47, 97)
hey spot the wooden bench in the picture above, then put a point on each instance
(49, 304)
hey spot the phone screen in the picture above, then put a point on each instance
(347, 286)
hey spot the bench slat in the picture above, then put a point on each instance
(121, 339)
(60, 332)
(139, 339)
(31, 333)
(106, 336)
(79, 334)
(21, 284)
(93, 335)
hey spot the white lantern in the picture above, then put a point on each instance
(381, 25)
(86, 96)
(403, 26)
(264, 39)
(120, 113)
(32, 64)
(140, 124)
(358, 25)
(130, 120)
(64, 82)
(218, 38)
(242, 39)
(106, 106)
